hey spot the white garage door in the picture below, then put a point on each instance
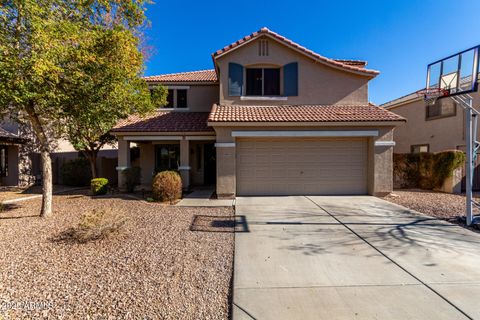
(301, 166)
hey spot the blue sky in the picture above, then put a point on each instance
(398, 38)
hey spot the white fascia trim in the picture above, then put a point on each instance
(225, 144)
(384, 143)
(200, 138)
(184, 168)
(263, 98)
(151, 138)
(336, 133)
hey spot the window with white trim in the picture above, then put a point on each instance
(263, 82)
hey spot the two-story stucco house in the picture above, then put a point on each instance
(271, 118)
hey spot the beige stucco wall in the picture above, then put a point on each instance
(380, 168)
(317, 83)
(441, 134)
(147, 162)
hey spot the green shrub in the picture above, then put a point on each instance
(426, 170)
(445, 163)
(99, 186)
(76, 172)
(132, 178)
(167, 186)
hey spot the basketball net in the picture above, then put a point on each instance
(430, 95)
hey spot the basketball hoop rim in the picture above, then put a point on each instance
(430, 95)
(433, 92)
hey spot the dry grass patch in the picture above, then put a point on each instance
(94, 225)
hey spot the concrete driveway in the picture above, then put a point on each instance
(354, 257)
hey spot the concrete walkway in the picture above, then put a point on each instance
(201, 197)
(35, 196)
(351, 258)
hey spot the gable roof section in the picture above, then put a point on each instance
(165, 121)
(353, 66)
(302, 113)
(192, 76)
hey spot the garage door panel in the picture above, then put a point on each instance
(301, 166)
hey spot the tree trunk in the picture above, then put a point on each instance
(47, 184)
(92, 158)
(44, 143)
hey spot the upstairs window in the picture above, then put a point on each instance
(258, 82)
(440, 109)
(263, 82)
(177, 98)
(181, 98)
(170, 99)
(419, 148)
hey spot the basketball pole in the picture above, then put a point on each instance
(469, 176)
(471, 146)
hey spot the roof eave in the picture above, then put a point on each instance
(163, 133)
(190, 83)
(382, 123)
(393, 105)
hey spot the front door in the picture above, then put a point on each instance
(210, 167)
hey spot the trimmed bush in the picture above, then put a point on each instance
(167, 186)
(99, 186)
(132, 178)
(76, 172)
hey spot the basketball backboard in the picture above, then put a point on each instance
(455, 74)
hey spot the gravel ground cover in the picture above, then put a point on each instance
(155, 267)
(437, 204)
(447, 206)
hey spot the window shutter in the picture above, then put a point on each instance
(235, 79)
(290, 79)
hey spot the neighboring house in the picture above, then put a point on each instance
(106, 160)
(433, 128)
(272, 118)
(10, 163)
(22, 166)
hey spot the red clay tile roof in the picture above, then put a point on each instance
(192, 76)
(305, 113)
(341, 64)
(166, 121)
(357, 63)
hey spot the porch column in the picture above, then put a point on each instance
(123, 161)
(184, 167)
